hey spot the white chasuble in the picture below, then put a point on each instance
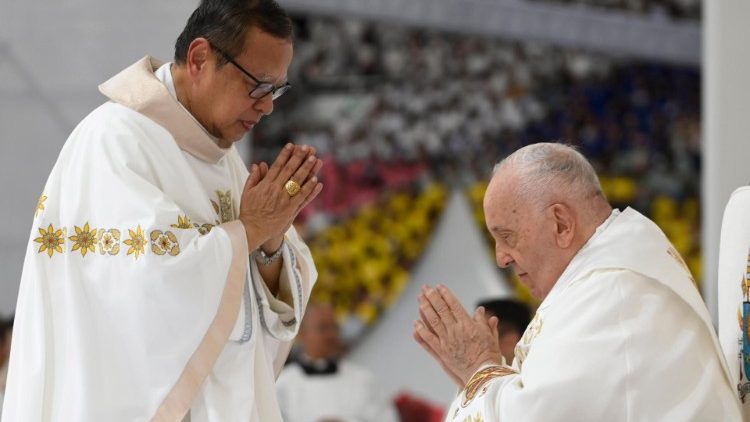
(138, 300)
(734, 292)
(622, 336)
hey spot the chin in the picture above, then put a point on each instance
(226, 142)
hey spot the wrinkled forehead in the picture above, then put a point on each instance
(502, 204)
(502, 188)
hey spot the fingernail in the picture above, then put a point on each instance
(311, 158)
(289, 147)
(314, 180)
(305, 148)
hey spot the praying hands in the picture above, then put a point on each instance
(459, 342)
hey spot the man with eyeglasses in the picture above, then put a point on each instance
(163, 280)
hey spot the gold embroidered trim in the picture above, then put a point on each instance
(225, 207)
(532, 331)
(51, 240)
(204, 228)
(482, 377)
(40, 205)
(183, 222)
(164, 243)
(136, 242)
(84, 240)
(109, 241)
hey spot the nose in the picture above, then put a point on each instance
(264, 105)
(503, 258)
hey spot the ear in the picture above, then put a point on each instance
(564, 223)
(198, 58)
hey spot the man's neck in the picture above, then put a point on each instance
(181, 83)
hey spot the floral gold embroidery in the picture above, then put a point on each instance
(109, 241)
(482, 377)
(164, 242)
(136, 242)
(84, 239)
(204, 228)
(532, 331)
(40, 205)
(225, 207)
(476, 418)
(183, 222)
(51, 240)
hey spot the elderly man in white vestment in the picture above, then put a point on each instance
(622, 333)
(162, 280)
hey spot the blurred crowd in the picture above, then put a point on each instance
(396, 109)
(673, 9)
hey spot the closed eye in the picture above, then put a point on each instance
(507, 237)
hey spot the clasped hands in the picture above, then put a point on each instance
(267, 208)
(459, 342)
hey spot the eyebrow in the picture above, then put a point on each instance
(267, 78)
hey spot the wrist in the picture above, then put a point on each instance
(272, 245)
(251, 233)
(264, 258)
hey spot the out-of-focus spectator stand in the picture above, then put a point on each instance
(401, 116)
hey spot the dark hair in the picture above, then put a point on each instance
(226, 22)
(5, 326)
(513, 315)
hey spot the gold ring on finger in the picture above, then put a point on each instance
(292, 187)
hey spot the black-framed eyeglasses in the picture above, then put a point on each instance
(261, 88)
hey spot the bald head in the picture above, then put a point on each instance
(542, 205)
(319, 332)
(549, 171)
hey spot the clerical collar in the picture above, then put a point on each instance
(317, 366)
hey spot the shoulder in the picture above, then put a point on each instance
(118, 137)
(112, 126)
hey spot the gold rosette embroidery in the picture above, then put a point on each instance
(109, 241)
(51, 240)
(164, 243)
(84, 239)
(136, 242)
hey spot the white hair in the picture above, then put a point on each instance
(549, 171)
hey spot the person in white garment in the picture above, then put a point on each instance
(734, 293)
(621, 334)
(162, 280)
(320, 386)
(6, 333)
